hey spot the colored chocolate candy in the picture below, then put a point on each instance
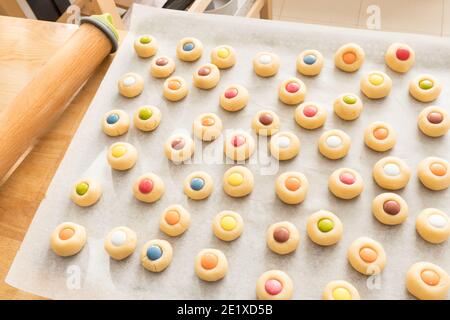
(197, 184)
(347, 178)
(391, 207)
(154, 252)
(281, 234)
(112, 118)
(146, 186)
(325, 225)
(82, 188)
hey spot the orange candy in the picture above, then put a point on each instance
(430, 277)
(208, 121)
(438, 169)
(172, 217)
(66, 233)
(292, 184)
(368, 255)
(349, 57)
(174, 85)
(380, 133)
(209, 261)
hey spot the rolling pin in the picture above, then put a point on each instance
(45, 97)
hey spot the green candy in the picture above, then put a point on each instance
(82, 188)
(145, 114)
(145, 40)
(349, 99)
(426, 84)
(325, 225)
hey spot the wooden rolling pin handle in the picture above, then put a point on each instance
(46, 96)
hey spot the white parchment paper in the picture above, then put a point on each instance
(92, 274)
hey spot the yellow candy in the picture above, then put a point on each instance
(223, 53)
(341, 294)
(118, 151)
(235, 179)
(376, 79)
(228, 223)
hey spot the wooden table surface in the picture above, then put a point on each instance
(25, 45)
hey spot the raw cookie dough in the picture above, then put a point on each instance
(380, 136)
(345, 183)
(390, 208)
(284, 145)
(207, 126)
(156, 255)
(238, 181)
(282, 237)
(324, 228)
(349, 57)
(274, 285)
(206, 77)
(147, 118)
(211, 265)
(291, 187)
(376, 85)
(434, 121)
(266, 123)
(198, 185)
(340, 290)
(425, 88)
(189, 49)
(400, 57)
(234, 98)
(122, 156)
(310, 115)
(86, 192)
(120, 243)
(309, 62)
(334, 144)
(366, 256)
(145, 46)
(131, 85)
(434, 173)
(433, 225)
(348, 106)
(175, 89)
(292, 91)
(228, 225)
(239, 145)
(148, 188)
(391, 173)
(175, 220)
(68, 239)
(162, 67)
(223, 57)
(179, 148)
(266, 64)
(115, 123)
(427, 281)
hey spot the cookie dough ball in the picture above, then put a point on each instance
(175, 89)
(131, 85)
(310, 63)
(228, 225)
(211, 265)
(223, 57)
(179, 148)
(348, 106)
(324, 228)
(147, 118)
(198, 185)
(145, 46)
(310, 115)
(68, 239)
(349, 57)
(266, 64)
(400, 57)
(156, 255)
(291, 187)
(148, 188)
(282, 237)
(376, 85)
(274, 285)
(284, 145)
(366, 256)
(234, 98)
(206, 77)
(122, 156)
(425, 88)
(86, 192)
(175, 220)
(239, 145)
(162, 67)
(120, 243)
(189, 49)
(207, 127)
(427, 281)
(238, 181)
(340, 290)
(334, 144)
(390, 208)
(433, 225)
(434, 121)
(391, 173)
(115, 123)
(266, 123)
(380, 136)
(292, 91)
(345, 183)
(434, 173)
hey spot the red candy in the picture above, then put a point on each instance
(231, 93)
(402, 54)
(178, 144)
(292, 87)
(161, 62)
(347, 178)
(238, 141)
(146, 186)
(309, 111)
(273, 287)
(204, 71)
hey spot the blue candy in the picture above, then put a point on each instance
(309, 59)
(112, 118)
(188, 46)
(154, 253)
(197, 184)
